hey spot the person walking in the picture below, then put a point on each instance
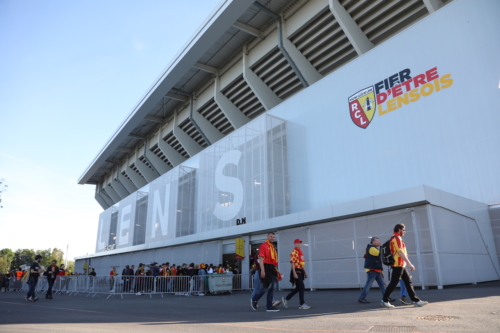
(398, 251)
(268, 260)
(297, 275)
(403, 293)
(374, 269)
(112, 276)
(34, 272)
(51, 274)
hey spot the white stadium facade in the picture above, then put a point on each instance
(324, 120)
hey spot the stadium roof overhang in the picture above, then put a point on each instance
(231, 25)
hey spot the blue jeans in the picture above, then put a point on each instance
(402, 289)
(370, 276)
(270, 293)
(32, 284)
(256, 284)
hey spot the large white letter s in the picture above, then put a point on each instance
(228, 184)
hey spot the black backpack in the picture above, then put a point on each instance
(385, 253)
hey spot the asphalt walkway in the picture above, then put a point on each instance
(465, 308)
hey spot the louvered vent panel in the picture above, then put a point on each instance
(382, 19)
(174, 143)
(126, 176)
(133, 167)
(145, 161)
(240, 94)
(157, 151)
(324, 43)
(277, 74)
(211, 112)
(188, 127)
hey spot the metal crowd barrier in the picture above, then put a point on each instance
(198, 285)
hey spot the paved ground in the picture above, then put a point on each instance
(476, 306)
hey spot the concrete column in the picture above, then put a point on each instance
(106, 198)
(112, 193)
(433, 5)
(146, 171)
(245, 263)
(172, 155)
(157, 163)
(232, 113)
(266, 96)
(192, 147)
(135, 177)
(307, 70)
(353, 32)
(127, 183)
(119, 188)
(212, 133)
(101, 201)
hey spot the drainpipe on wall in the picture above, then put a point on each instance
(280, 43)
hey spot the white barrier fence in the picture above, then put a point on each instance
(200, 285)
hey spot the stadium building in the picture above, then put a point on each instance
(324, 120)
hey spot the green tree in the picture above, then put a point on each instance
(23, 257)
(51, 254)
(71, 266)
(6, 257)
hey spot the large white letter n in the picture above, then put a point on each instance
(228, 184)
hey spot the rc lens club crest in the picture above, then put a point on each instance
(394, 93)
(362, 107)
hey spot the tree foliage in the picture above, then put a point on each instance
(14, 259)
(6, 257)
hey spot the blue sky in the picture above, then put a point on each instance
(70, 72)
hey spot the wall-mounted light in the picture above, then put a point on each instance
(137, 225)
(255, 182)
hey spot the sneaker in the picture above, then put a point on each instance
(202, 294)
(285, 302)
(403, 301)
(363, 300)
(392, 300)
(276, 303)
(34, 299)
(388, 305)
(138, 294)
(272, 310)
(304, 307)
(28, 299)
(67, 292)
(253, 304)
(420, 303)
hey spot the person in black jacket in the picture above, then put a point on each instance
(373, 268)
(51, 274)
(127, 274)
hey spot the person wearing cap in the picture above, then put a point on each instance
(297, 275)
(373, 268)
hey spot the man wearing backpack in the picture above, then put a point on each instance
(373, 268)
(398, 251)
